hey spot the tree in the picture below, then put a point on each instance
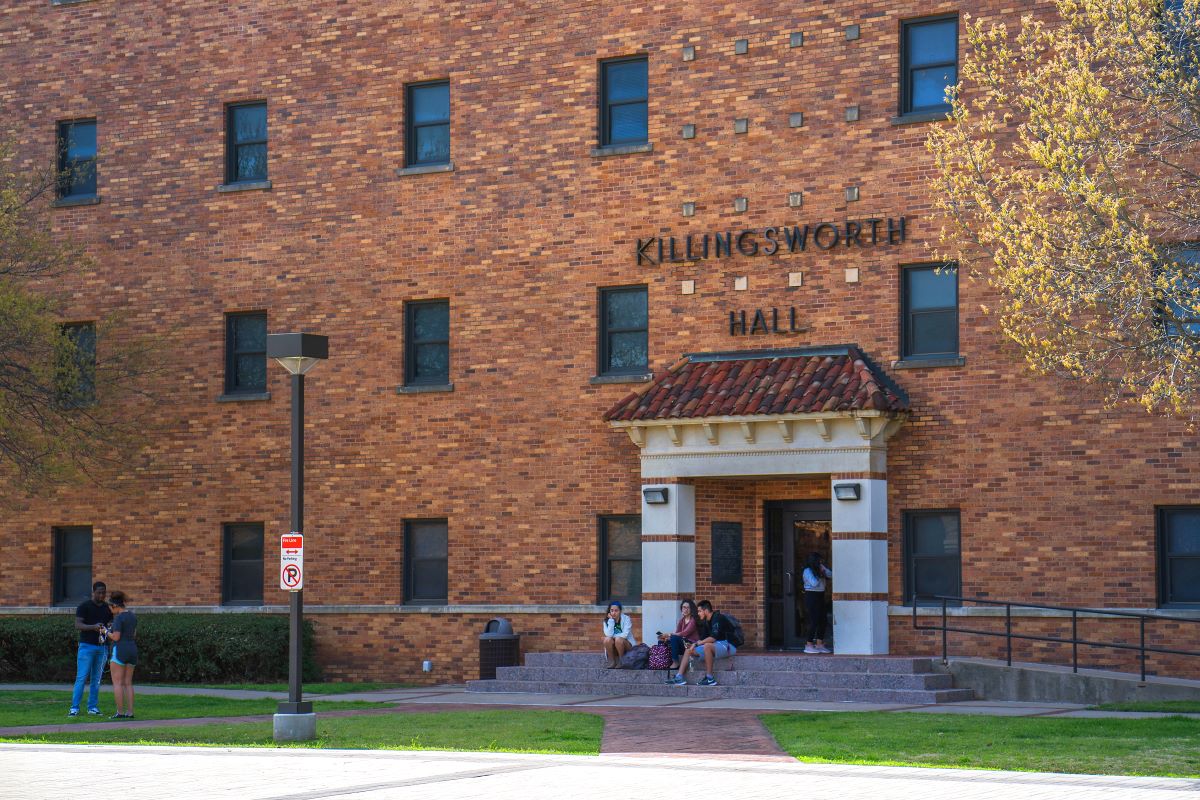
(68, 393)
(1069, 173)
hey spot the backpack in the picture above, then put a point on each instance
(636, 658)
(736, 637)
(660, 657)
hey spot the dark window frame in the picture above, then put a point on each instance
(227, 561)
(906, 67)
(910, 557)
(1190, 325)
(232, 145)
(232, 353)
(1163, 558)
(906, 334)
(84, 395)
(412, 564)
(68, 168)
(411, 126)
(59, 567)
(605, 107)
(603, 348)
(604, 560)
(411, 343)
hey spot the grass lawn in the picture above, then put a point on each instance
(1166, 747)
(498, 731)
(1167, 706)
(50, 707)
(309, 688)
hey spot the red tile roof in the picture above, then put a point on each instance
(764, 382)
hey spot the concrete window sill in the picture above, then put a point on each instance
(425, 388)
(622, 149)
(71, 202)
(923, 116)
(930, 363)
(247, 397)
(425, 169)
(245, 186)
(67, 2)
(600, 380)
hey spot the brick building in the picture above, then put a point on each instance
(564, 254)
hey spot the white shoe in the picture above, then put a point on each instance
(823, 649)
(811, 649)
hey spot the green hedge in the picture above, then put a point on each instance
(172, 648)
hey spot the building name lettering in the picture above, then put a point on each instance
(764, 321)
(872, 232)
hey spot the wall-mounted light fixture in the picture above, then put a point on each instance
(847, 491)
(655, 495)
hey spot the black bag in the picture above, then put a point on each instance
(636, 658)
(736, 637)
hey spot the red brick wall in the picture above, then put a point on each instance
(1057, 496)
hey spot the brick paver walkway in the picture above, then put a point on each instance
(680, 732)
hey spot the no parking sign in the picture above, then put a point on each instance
(291, 562)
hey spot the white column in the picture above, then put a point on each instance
(668, 556)
(860, 568)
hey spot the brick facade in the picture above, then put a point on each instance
(1057, 496)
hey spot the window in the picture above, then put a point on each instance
(929, 312)
(76, 369)
(77, 159)
(624, 331)
(929, 64)
(427, 343)
(246, 142)
(243, 574)
(932, 558)
(427, 135)
(246, 353)
(623, 101)
(1179, 556)
(426, 566)
(621, 559)
(72, 564)
(1181, 311)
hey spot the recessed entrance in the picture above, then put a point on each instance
(794, 528)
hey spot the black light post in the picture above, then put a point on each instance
(297, 353)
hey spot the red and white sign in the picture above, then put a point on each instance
(291, 562)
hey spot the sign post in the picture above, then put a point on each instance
(291, 562)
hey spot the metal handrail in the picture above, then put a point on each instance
(1074, 640)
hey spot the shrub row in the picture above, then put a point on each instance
(172, 648)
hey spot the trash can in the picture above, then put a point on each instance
(498, 647)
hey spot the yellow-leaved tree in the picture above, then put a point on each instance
(1070, 175)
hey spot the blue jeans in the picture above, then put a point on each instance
(89, 664)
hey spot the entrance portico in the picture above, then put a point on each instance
(768, 414)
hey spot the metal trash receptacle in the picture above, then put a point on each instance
(498, 647)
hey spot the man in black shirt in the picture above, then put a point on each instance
(91, 620)
(716, 644)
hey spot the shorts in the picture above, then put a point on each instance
(132, 662)
(720, 650)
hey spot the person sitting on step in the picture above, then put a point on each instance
(618, 634)
(685, 633)
(713, 646)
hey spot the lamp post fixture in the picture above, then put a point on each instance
(297, 353)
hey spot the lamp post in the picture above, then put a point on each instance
(297, 353)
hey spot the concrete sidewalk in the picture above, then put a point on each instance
(52, 772)
(457, 694)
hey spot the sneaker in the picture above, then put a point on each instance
(117, 716)
(708, 680)
(678, 680)
(823, 649)
(74, 712)
(811, 649)
(93, 712)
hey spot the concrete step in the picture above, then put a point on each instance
(735, 677)
(725, 691)
(773, 662)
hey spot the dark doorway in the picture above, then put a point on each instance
(794, 528)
